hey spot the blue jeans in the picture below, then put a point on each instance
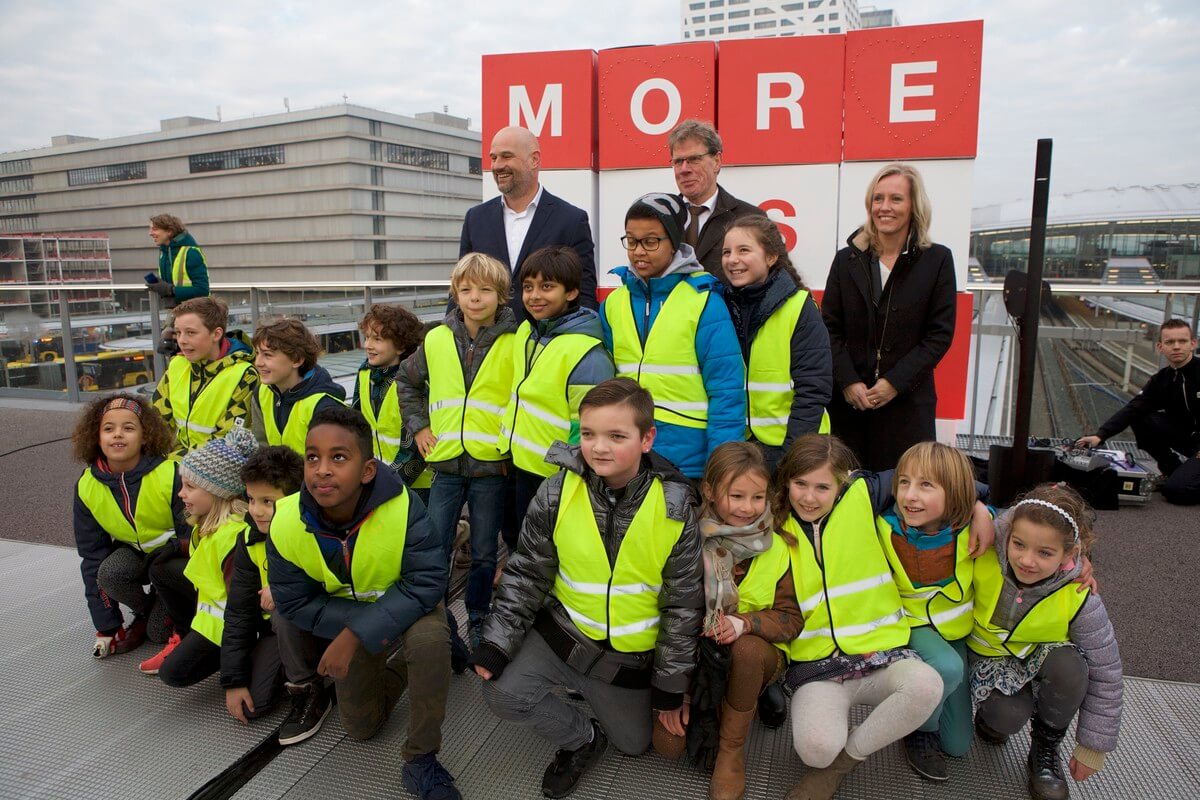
(952, 717)
(485, 504)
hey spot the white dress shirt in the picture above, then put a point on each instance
(516, 226)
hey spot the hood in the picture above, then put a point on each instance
(583, 321)
(316, 381)
(384, 487)
(182, 240)
(146, 465)
(683, 267)
(1003, 528)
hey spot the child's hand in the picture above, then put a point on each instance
(728, 630)
(1087, 578)
(425, 441)
(983, 530)
(1080, 772)
(484, 672)
(238, 702)
(676, 721)
(336, 661)
(265, 601)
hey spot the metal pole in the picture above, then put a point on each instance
(1195, 313)
(1033, 306)
(1128, 367)
(157, 362)
(366, 299)
(68, 339)
(981, 302)
(254, 309)
(1167, 308)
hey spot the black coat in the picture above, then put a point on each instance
(902, 337)
(244, 623)
(711, 241)
(1173, 391)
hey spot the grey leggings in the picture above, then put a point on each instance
(123, 576)
(1062, 684)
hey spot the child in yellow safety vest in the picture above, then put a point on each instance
(751, 616)
(127, 513)
(250, 667)
(195, 594)
(292, 385)
(603, 595)
(1042, 647)
(854, 646)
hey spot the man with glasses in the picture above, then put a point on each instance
(696, 157)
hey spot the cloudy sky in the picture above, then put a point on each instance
(1114, 82)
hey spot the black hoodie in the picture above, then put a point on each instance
(316, 381)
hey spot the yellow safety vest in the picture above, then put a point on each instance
(153, 519)
(946, 608)
(666, 365)
(769, 387)
(179, 273)
(203, 569)
(375, 560)
(258, 555)
(296, 430)
(619, 604)
(848, 598)
(462, 419)
(196, 422)
(539, 413)
(756, 592)
(388, 428)
(1048, 621)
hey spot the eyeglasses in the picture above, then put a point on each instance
(691, 161)
(649, 244)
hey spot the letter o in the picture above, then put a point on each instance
(638, 100)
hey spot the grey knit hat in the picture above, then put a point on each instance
(666, 208)
(216, 467)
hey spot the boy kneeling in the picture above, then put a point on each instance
(608, 574)
(357, 577)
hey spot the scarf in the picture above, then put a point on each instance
(724, 546)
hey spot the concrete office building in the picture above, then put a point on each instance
(327, 194)
(749, 19)
(871, 17)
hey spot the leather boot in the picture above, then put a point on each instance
(821, 784)
(729, 773)
(1046, 779)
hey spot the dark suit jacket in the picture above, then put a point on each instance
(555, 221)
(712, 236)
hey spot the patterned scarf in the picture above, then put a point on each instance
(725, 546)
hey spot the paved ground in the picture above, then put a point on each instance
(1144, 556)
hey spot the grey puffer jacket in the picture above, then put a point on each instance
(412, 385)
(1091, 630)
(525, 586)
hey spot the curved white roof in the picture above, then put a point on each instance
(1096, 205)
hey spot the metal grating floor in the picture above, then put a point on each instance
(73, 727)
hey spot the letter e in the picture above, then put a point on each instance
(901, 91)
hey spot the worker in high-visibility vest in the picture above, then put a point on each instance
(182, 270)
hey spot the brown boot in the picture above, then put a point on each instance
(821, 784)
(729, 773)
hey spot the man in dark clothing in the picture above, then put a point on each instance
(696, 157)
(1165, 416)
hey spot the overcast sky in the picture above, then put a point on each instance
(1116, 83)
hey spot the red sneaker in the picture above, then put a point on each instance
(151, 665)
(122, 641)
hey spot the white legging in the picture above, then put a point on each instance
(904, 694)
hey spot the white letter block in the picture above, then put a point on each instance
(521, 107)
(638, 101)
(901, 91)
(789, 102)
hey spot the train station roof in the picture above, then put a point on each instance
(1179, 200)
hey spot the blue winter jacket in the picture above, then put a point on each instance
(717, 352)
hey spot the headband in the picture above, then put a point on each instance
(1046, 504)
(125, 403)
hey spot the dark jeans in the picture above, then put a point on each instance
(1174, 449)
(419, 661)
(485, 499)
(174, 588)
(195, 658)
(1062, 685)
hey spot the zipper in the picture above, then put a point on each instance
(192, 402)
(125, 507)
(608, 531)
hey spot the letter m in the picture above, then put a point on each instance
(520, 109)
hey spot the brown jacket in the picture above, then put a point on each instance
(782, 622)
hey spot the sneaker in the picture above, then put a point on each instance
(152, 665)
(569, 766)
(426, 778)
(311, 704)
(924, 753)
(124, 640)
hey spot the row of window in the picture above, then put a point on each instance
(418, 157)
(758, 26)
(719, 17)
(236, 159)
(19, 224)
(22, 184)
(21, 203)
(133, 171)
(15, 167)
(760, 10)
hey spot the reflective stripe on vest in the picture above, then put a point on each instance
(618, 604)
(204, 570)
(667, 365)
(179, 273)
(295, 431)
(538, 413)
(947, 608)
(196, 422)
(388, 427)
(376, 556)
(1048, 621)
(461, 419)
(153, 519)
(769, 387)
(849, 600)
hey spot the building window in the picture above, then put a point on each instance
(793, 6)
(14, 167)
(760, 26)
(739, 14)
(687, 35)
(474, 165)
(716, 3)
(236, 159)
(738, 28)
(815, 3)
(23, 184)
(716, 31)
(819, 18)
(833, 16)
(762, 11)
(23, 203)
(18, 224)
(418, 157)
(698, 20)
(719, 17)
(738, 2)
(835, 29)
(109, 173)
(785, 22)
(696, 6)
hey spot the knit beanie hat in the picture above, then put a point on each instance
(216, 467)
(666, 208)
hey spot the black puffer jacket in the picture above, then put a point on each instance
(316, 381)
(525, 585)
(244, 623)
